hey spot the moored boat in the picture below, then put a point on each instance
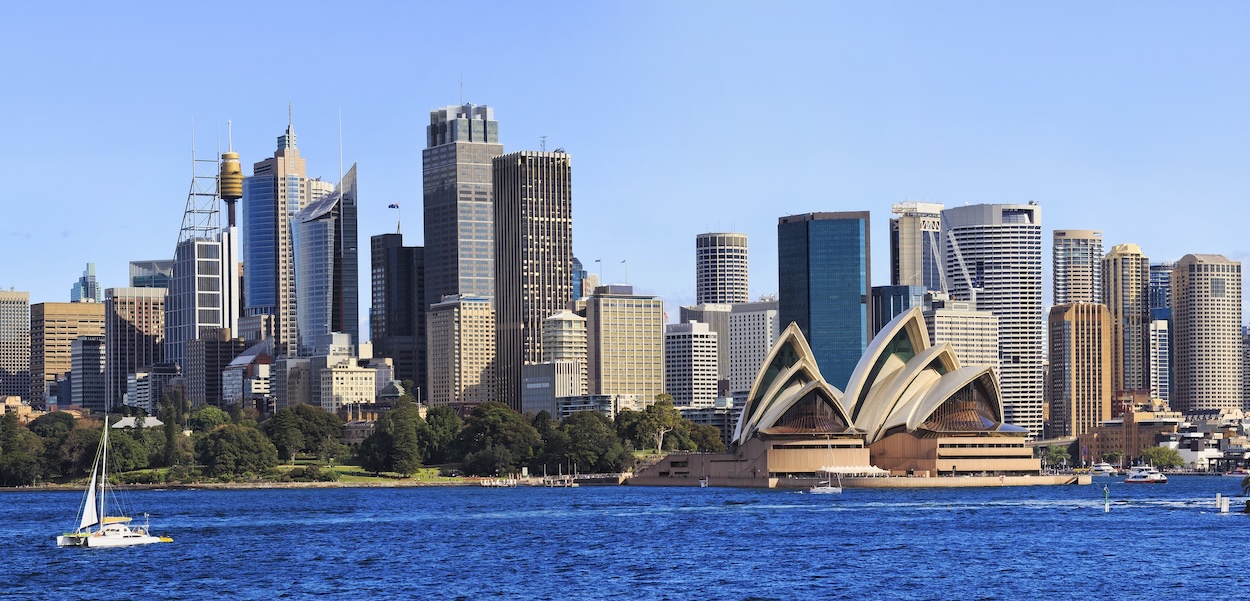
(1102, 469)
(1145, 475)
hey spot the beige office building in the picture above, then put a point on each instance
(624, 342)
(972, 334)
(53, 329)
(1126, 292)
(14, 344)
(346, 384)
(461, 333)
(1077, 266)
(1206, 336)
(1080, 368)
(915, 245)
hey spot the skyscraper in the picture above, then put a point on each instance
(915, 245)
(533, 258)
(564, 340)
(1161, 284)
(461, 142)
(53, 329)
(327, 279)
(721, 275)
(87, 289)
(15, 344)
(1077, 267)
(1080, 362)
(994, 254)
(276, 191)
(207, 357)
(824, 281)
(1126, 292)
(1160, 359)
(397, 317)
(579, 274)
(716, 316)
(971, 333)
(134, 330)
(87, 364)
(151, 274)
(1206, 317)
(624, 342)
(889, 302)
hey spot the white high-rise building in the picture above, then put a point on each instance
(994, 252)
(564, 341)
(1160, 360)
(1206, 321)
(753, 329)
(690, 366)
(1077, 267)
(721, 268)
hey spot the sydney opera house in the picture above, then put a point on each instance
(910, 409)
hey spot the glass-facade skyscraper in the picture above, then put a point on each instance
(824, 285)
(396, 319)
(87, 289)
(327, 267)
(461, 141)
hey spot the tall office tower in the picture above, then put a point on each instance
(578, 275)
(889, 302)
(461, 142)
(720, 268)
(397, 317)
(716, 316)
(53, 329)
(1080, 368)
(87, 389)
(564, 340)
(1126, 292)
(462, 351)
(1206, 322)
(1161, 284)
(327, 266)
(1077, 267)
(690, 370)
(15, 344)
(207, 357)
(624, 342)
(973, 334)
(277, 190)
(1245, 369)
(753, 329)
(151, 274)
(87, 289)
(915, 245)
(1160, 359)
(134, 332)
(533, 258)
(824, 268)
(994, 253)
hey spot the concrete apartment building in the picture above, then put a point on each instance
(753, 329)
(1126, 292)
(972, 334)
(15, 344)
(690, 364)
(462, 351)
(1206, 322)
(53, 329)
(1080, 366)
(1077, 266)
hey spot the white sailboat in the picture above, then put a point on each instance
(110, 531)
(826, 487)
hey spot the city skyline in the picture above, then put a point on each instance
(1085, 116)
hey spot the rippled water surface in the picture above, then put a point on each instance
(1157, 542)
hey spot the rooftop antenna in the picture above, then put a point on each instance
(462, 88)
(543, 143)
(340, 145)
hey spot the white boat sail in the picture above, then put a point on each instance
(110, 531)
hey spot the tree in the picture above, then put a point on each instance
(76, 451)
(375, 452)
(52, 425)
(497, 439)
(1162, 457)
(126, 453)
(704, 438)
(232, 450)
(1055, 455)
(404, 424)
(1114, 457)
(629, 427)
(20, 450)
(444, 425)
(658, 420)
(284, 432)
(206, 419)
(172, 452)
(314, 424)
(590, 436)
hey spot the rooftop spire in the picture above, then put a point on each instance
(287, 140)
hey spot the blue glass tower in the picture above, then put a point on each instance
(824, 285)
(579, 274)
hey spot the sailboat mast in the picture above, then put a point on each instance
(104, 470)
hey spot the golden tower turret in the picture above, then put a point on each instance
(230, 182)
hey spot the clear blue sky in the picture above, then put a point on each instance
(682, 117)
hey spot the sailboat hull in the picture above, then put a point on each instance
(96, 541)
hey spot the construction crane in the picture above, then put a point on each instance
(972, 289)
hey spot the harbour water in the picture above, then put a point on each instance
(1158, 541)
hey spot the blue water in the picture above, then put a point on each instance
(1158, 542)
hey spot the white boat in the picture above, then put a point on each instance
(1102, 469)
(1145, 475)
(827, 487)
(110, 531)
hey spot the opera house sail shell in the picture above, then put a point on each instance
(913, 405)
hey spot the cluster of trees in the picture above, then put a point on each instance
(493, 440)
(496, 440)
(1160, 457)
